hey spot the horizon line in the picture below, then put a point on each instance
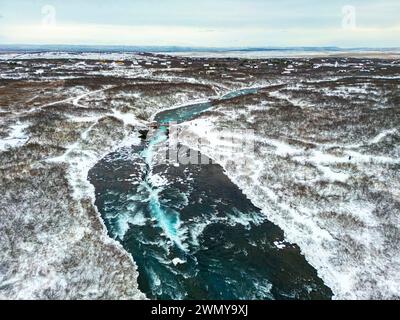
(171, 48)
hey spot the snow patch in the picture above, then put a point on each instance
(17, 137)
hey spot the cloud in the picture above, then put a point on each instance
(202, 23)
(95, 34)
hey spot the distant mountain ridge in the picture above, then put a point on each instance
(92, 48)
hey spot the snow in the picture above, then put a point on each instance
(342, 233)
(69, 55)
(383, 135)
(128, 119)
(16, 138)
(284, 54)
(303, 221)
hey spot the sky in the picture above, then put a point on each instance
(205, 23)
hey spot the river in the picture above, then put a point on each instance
(191, 231)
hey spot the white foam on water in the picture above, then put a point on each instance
(167, 219)
(127, 218)
(196, 230)
(245, 219)
(263, 291)
(157, 180)
(178, 261)
(280, 245)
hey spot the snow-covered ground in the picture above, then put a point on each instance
(393, 54)
(16, 138)
(325, 166)
(340, 204)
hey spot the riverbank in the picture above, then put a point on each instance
(326, 161)
(192, 232)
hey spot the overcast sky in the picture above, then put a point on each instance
(218, 23)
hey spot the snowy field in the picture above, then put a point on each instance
(325, 166)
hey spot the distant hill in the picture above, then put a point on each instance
(84, 48)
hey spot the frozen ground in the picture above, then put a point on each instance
(325, 166)
(53, 242)
(322, 161)
(296, 53)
